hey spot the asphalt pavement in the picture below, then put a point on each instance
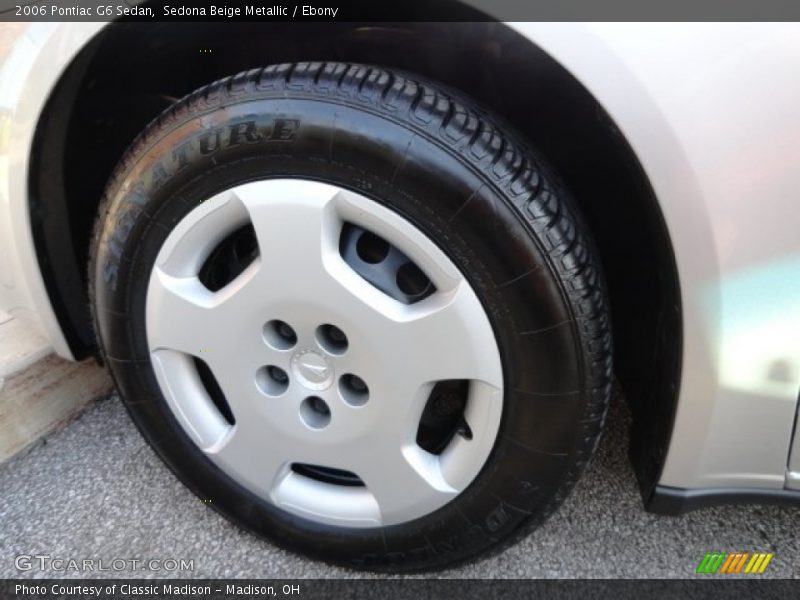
(95, 490)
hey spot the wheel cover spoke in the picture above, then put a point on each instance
(255, 457)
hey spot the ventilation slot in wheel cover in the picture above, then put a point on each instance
(383, 265)
(443, 417)
(213, 390)
(327, 474)
(230, 258)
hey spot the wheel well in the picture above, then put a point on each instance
(130, 72)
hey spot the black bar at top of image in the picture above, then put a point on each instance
(397, 589)
(403, 10)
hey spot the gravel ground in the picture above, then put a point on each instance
(96, 490)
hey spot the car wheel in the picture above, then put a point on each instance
(354, 314)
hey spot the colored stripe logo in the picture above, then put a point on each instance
(733, 563)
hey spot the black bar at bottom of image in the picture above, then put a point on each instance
(396, 589)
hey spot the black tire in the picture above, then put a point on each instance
(474, 187)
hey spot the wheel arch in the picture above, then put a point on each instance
(109, 93)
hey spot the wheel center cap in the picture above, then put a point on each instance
(312, 369)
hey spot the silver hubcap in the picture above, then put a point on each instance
(318, 365)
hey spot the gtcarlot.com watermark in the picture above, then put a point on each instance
(45, 562)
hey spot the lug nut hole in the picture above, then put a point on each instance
(315, 413)
(353, 389)
(412, 281)
(371, 248)
(272, 380)
(280, 335)
(332, 339)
